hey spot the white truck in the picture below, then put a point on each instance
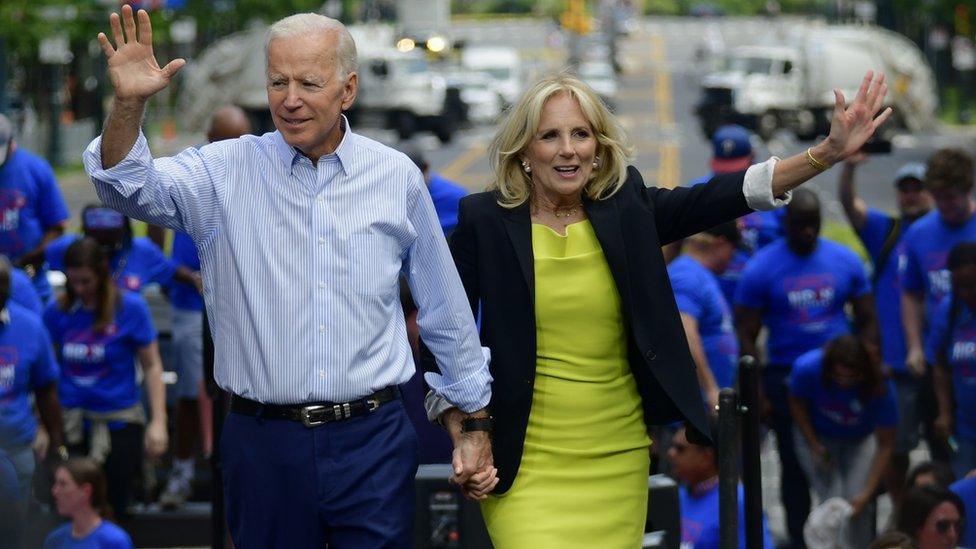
(398, 90)
(503, 64)
(766, 88)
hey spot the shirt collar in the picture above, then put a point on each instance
(344, 151)
(4, 316)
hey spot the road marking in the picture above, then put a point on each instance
(464, 161)
(669, 151)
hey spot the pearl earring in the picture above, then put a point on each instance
(526, 167)
(596, 162)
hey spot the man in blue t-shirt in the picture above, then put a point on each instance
(32, 210)
(924, 278)
(798, 287)
(23, 293)
(732, 152)
(705, 314)
(445, 193)
(27, 365)
(952, 344)
(696, 467)
(882, 235)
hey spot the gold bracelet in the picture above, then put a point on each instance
(817, 165)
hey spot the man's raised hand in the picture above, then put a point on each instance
(135, 74)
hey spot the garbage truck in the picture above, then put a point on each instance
(790, 86)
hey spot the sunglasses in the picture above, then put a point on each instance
(942, 526)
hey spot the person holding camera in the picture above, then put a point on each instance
(882, 235)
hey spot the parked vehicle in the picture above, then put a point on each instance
(399, 89)
(504, 66)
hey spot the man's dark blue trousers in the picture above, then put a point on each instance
(348, 484)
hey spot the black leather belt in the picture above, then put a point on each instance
(317, 413)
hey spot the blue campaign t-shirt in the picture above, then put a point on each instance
(700, 520)
(446, 195)
(697, 293)
(98, 369)
(23, 293)
(132, 267)
(30, 205)
(728, 281)
(757, 229)
(26, 363)
(960, 348)
(182, 295)
(106, 536)
(840, 412)
(887, 289)
(926, 249)
(966, 490)
(802, 297)
(762, 228)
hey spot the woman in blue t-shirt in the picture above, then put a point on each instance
(839, 398)
(98, 331)
(79, 493)
(952, 341)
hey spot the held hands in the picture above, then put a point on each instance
(851, 126)
(473, 467)
(156, 439)
(132, 66)
(472, 461)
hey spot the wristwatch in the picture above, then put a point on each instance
(483, 423)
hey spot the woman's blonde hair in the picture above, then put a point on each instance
(518, 128)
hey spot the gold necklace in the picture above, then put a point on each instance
(561, 212)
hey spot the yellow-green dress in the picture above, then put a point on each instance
(583, 476)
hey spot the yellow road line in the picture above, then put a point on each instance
(669, 153)
(464, 161)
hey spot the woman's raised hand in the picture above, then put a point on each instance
(854, 124)
(132, 66)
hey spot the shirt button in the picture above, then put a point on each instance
(321, 240)
(321, 373)
(650, 355)
(320, 199)
(321, 328)
(321, 284)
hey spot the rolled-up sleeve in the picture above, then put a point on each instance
(446, 324)
(160, 190)
(758, 187)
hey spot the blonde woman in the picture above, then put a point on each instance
(561, 259)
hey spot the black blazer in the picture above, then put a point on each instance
(492, 248)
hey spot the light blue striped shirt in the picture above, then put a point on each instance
(301, 265)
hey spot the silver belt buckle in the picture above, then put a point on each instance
(307, 416)
(372, 404)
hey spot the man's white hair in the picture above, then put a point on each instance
(304, 24)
